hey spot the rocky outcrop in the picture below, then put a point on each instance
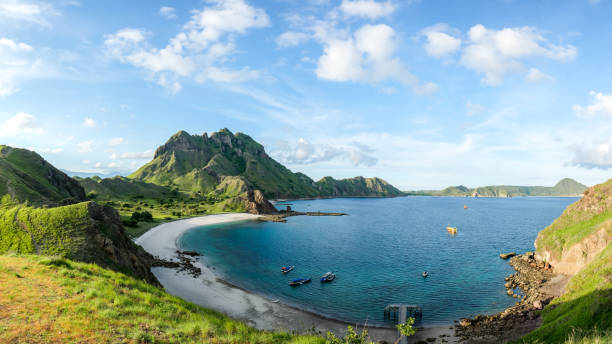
(258, 204)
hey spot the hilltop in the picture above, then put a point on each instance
(198, 163)
(564, 188)
(26, 176)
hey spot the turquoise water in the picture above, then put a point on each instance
(379, 252)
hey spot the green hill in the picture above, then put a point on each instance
(195, 163)
(55, 300)
(565, 188)
(121, 188)
(86, 232)
(26, 176)
(579, 243)
(356, 187)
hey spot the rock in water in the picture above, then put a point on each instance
(507, 255)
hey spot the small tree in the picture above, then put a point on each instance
(406, 329)
(351, 337)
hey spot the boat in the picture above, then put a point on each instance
(425, 274)
(287, 269)
(465, 207)
(451, 230)
(299, 281)
(328, 277)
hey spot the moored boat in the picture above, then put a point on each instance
(451, 230)
(286, 269)
(299, 281)
(425, 274)
(328, 277)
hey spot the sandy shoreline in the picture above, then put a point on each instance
(210, 292)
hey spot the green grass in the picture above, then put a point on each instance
(586, 216)
(586, 306)
(55, 300)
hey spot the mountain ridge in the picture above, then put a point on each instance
(566, 187)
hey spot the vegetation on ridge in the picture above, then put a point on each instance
(565, 187)
(63, 301)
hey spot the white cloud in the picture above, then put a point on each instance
(601, 104)
(473, 109)
(89, 122)
(17, 64)
(85, 146)
(168, 12)
(148, 154)
(594, 155)
(536, 75)
(198, 52)
(304, 152)
(15, 46)
(21, 123)
(34, 12)
(368, 56)
(440, 40)
(65, 141)
(370, 9)
(48, 150)
(496, 52)
(116, 141)
(291, 38)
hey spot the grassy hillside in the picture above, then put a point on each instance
(587, 302)
(565, 187)
(123, 188)
(586, 305)
(26, 176)
(86, 232)
(194, 163)
(55, 300)
(579, 220)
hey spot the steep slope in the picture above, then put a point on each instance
(86, 232)
(565, 188)
(198, 163)
(580, 233)
(356, 187)
(51, 300)
(579, 244)
(26, 176)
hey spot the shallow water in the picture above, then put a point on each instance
(379, 252)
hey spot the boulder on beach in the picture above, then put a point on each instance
(538, 304)
(465, 322)
(507, 255)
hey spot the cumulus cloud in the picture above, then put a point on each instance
(33, 12)
(496, 52)
(148, 154)
(89, 122)
(594, 155)
(198, 52)
(167, 12)
(21, 123)
(367, 8)
(85, 146)
(440, 40)
(535, 75)
(366, 56)
(304, 152)
(601, 104)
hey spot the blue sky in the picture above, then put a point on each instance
(424, 94)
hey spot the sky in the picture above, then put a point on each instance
(424, 94)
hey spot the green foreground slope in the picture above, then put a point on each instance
(586, 304)
(86, 232)
(55, 300)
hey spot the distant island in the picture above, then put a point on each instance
(564, 188)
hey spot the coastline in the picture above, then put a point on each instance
(209, 291)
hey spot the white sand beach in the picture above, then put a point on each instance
(210, 292)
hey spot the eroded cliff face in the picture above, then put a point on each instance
(583, 230)
(579, 255)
